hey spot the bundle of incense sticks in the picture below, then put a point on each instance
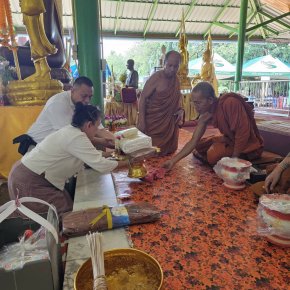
(95, 241)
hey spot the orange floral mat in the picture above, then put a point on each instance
(206, 236)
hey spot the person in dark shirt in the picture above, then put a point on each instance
(133, 77)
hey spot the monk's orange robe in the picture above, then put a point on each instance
(160, 118)
(235, 120)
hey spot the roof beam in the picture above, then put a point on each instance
(220, 12)
(178, 4)
(166, 20)
(252, 32)
(230, 28)
(150, 17)
(169, 36)
(258, 19)
(268, 21)
(249, 20)
(117, 16)
(278, 21)
(272, 30)
(187, 14)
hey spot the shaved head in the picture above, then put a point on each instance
(172, 53)
(206, 90)
(171, 63)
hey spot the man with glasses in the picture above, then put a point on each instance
(235, 120)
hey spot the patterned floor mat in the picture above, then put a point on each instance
(206, 237)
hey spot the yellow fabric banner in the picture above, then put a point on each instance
(14, 121)
(118, 108)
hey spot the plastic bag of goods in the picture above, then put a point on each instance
(273, 215)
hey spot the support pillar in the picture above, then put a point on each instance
(241, 42)
(86, 20)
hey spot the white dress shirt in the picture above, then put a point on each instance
(57, 113)
(63, 153)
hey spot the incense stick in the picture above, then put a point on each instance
(95, 241)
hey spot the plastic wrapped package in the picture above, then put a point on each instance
(233, 171)
(273, 215)
(104, 218)
(32, 259)
(128, 133)
(15, 256)
(132, 140)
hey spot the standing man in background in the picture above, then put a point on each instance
(133, 77)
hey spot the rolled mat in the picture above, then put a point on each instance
(104, 218)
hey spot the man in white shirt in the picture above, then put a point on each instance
(58, 112)
(42, 172)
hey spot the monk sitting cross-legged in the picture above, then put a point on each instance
(234, 119)
(160, 113)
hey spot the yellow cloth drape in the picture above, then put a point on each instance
(130, 110)
(14, 121)
(190, 112)
(119, 108)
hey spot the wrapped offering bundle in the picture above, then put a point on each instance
(233, 171)
(104, 218)
(274, 218)
(132, 140)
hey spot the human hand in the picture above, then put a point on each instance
(123, 163)
(204, 118)
(106, 142)
(109, 143)
(179, 117)
(272, 180)
(168, 165)
(106, 154)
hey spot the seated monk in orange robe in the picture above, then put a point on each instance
(277, 181)
(160, 113)
(233, 117)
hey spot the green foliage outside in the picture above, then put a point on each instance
(146, 54)
(7, 72)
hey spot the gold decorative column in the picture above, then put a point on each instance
(183, 68)
(39, 87)
(185, 86)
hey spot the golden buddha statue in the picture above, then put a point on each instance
(207, 73)
(183, 68)
(37, 88)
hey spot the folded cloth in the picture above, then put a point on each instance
(158, 173)
(103, 218)
(25, 141)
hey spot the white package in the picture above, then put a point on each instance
(137, 142)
